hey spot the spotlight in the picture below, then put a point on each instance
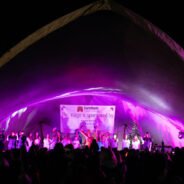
(181, 135)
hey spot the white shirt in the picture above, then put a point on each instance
(46, 143)
(126, 143)
(136, 144)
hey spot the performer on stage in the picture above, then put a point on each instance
(147, 142)
(76, 142)
(66, 140)
(105, 139)
(29, 141)
(37, 139)
(2, 139)
(59, 136)
(54, 138)
(87, 138)
(12, 141)
(113, 141)
(47, 142)
(136, 143)
(126, 142)
(22, 140)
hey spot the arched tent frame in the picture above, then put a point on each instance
(87, 10)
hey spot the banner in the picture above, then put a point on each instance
(73, 117)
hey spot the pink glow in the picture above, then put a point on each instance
(167, 129)
(134, 111)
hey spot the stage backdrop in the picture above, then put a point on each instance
(73, 117)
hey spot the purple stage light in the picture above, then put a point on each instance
(160, 127)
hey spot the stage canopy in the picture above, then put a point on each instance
(100, 54)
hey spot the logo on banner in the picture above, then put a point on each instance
(79, 109)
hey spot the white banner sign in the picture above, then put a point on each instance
(87, 116)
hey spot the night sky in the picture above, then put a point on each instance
(18, 20)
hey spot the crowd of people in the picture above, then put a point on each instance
(79, 139)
